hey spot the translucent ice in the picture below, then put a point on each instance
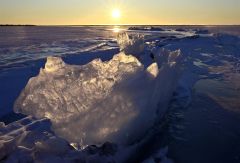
(54, 64)
(114, 101)
(131, 44)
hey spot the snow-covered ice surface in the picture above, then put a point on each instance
(105, 103)
(32, 43)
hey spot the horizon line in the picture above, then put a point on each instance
(119, 24)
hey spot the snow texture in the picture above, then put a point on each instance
(113, 101)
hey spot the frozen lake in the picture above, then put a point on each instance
(201, 123)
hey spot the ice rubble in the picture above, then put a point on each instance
(131, 44)
(113, 101)
(31, 140)
(146, 29)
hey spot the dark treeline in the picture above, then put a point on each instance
(6, 25)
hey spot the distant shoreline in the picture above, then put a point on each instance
(15, 25)
(30, 25)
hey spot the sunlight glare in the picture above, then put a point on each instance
(116, 29)
(116, 13)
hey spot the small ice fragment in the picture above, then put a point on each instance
(54, 64)
(153, 70)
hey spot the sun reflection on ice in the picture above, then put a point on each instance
(116, 29)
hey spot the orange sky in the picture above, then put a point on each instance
(87, 12)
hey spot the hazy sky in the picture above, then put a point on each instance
(78, 12)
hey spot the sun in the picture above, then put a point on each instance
(116, 13)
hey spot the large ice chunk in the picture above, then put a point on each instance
(113, 101)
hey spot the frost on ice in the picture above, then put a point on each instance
(115, 101)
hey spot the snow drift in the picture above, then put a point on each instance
(115, 101)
